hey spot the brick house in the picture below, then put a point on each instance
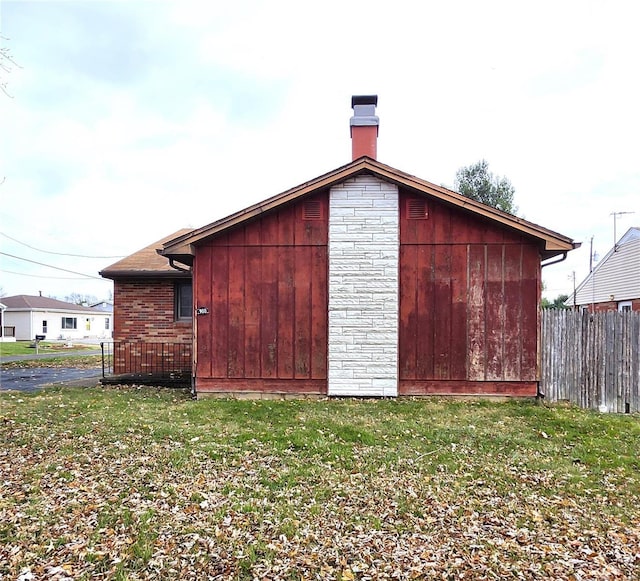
(152, 306)
(365, 281)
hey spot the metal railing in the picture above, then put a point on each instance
(147, 361)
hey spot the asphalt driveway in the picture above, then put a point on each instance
(30, 379)
(33, 378)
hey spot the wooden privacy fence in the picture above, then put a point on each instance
(592, 360)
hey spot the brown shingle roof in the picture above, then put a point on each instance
(38, 303)
(146, 262)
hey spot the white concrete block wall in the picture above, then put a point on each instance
(364, 238)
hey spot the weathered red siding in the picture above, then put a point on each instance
(264, 285)
(468, 305)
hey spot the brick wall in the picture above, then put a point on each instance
(144, 311)
(612, 306)
(363, 288)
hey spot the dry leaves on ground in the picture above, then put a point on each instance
(75, 504)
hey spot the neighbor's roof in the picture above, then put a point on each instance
(145, 262)
(38, 303)
(617, 274)
(181, 247)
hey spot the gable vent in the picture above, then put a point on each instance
(312, 210)
(417, 210)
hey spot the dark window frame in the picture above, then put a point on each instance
(66, 321)
(183, 301)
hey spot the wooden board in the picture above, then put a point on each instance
(268, 304)
(469, 294)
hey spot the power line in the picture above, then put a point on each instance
(52, 252)
(47, 277)
(54, 267)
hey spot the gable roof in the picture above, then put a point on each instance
(104, 306)
(146, 262)
(181, 247)
(38, 303)
(617, 274)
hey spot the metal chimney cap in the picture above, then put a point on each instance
(364, 111)
(364, 100)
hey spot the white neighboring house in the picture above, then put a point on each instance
(6, 334)
(614, 284)
(56, 320)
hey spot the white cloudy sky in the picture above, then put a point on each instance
(129, 120)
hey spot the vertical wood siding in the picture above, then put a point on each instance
(265, 287)
(468, 305)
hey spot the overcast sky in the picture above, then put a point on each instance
(127, 121)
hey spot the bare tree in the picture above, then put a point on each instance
(80, 299)
(7, 64)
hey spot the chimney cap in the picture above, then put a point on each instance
(364, 111)
(364, 100)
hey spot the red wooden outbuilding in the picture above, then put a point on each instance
(366, 281)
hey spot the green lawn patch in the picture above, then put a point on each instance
(77, 361)
(144, 483)
(28, 348)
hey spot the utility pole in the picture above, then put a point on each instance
(615, 237)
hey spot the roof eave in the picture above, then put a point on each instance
(113, 275)
(554, 243)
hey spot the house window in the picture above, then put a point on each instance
(69, 323)
(44, 327)
(624, 306)
(106, 323)
(184, 301)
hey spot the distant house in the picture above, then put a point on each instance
(614, 283)
(56, 320)
(105, 306)
(364, 281)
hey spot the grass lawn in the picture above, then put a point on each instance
(65, 356)
(143, 483)
(25, 348)
(77, 361)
